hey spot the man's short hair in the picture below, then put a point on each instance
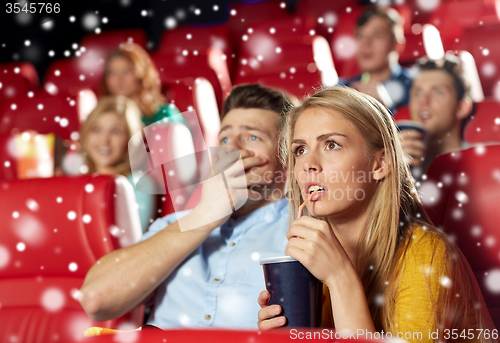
(451, 66)
(390, 15)
(256, 96)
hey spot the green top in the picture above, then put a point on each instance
(166, 111)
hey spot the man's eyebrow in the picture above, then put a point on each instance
(245, 127)
(319, 138)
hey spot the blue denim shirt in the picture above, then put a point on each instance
(398, 85)
(219, 283)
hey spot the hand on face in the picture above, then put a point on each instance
(226, 162)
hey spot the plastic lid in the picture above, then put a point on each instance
(279, 259)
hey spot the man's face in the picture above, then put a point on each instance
(255, 130)
(433, 102)
(374, 44)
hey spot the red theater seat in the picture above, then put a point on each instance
(461, 195)
(53, 231)
(24, 69)
(108, 41)
(197, 38)
(70, 75)
(485, 126)
(233, 336)
(13, 85)
(482, 43)
(177, 66)
(45, 113)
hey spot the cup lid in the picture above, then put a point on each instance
(279, 259)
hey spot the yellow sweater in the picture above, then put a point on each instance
(423, 275)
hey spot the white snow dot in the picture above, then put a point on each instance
(73, 267)
(84, 169)
(30, 94)
(170, 22)
(244, 37)
(17, 70)
(13, 107)
(312, 32)
(197, 11)
(89, 188)
(292, 70)
(32, 205)
(72, 103)
(480, 150)
(75, 293)
(59, 200)
(20, 246)
(488, 69)
(189, 36)
(320, 20)
(216, 8)
(90, 21)
(462, 197)
(445, 281)
(53, 299)
(74, 136)
(490, 241)
(457, 214)
(144, 13)
(272, 30)
(345, 47)
(15, 214)
(486, 52)
(40, 107)
(282, 75)
(430, 193)
(283, 5)
(255, 256)
(186, 271)
(114, 230)
(379, 300)
(74, 46)
(6, 164)
(27, 43)
(72, 19)
(476, 231)
(104, 20)
(86, 218)
(278, 50)
(497, 121)
(71, 215)
(82, 77)
(493, 281)
(66, 53)
(171, 173)
(64, 122)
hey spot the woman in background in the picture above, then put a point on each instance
(130, 72)
(104, 145)
(365, 235)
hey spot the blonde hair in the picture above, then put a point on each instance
(124, 108)
(394, 211)
(150, 97)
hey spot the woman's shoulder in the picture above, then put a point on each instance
(426, 245)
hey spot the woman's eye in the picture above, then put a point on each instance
(331, 145)
(225, 140)
(254, 138)
(299, 151)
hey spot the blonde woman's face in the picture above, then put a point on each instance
(330, 153)
(121, 79)
(106, 142)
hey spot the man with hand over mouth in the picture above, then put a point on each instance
(207, 273)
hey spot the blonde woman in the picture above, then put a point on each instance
(365, 235)
(130, 72)
(104, 145)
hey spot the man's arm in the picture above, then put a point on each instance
(123, 279)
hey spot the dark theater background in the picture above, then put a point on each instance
(54, 228)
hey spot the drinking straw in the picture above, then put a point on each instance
(305, 202)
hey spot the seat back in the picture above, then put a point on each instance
(13, 85)
(23, 69)
(53, 231)
(484, 127)
(45, 113)
(461, 195)
(70, 75)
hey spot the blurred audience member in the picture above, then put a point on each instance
(439, 100)
(130, 72)
(104, 140)
(380, 39)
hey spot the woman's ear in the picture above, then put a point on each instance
(380, 167)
